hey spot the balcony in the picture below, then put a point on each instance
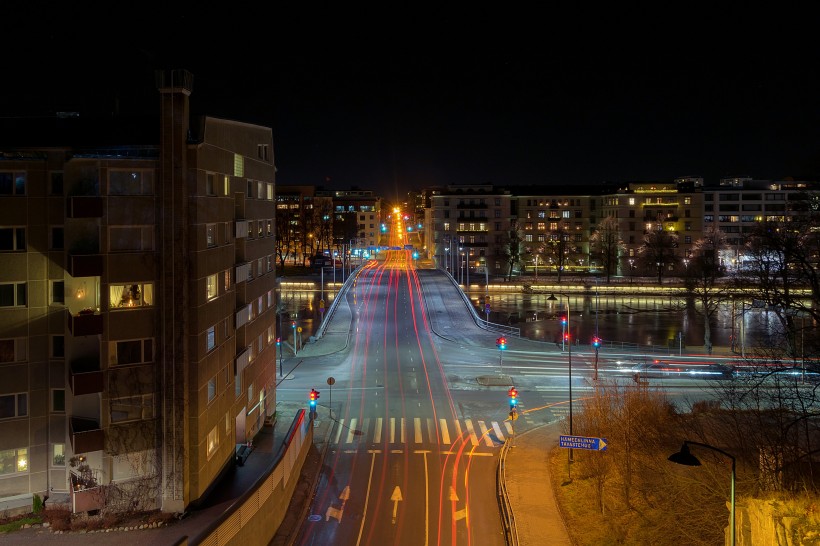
(84, 206)
(84, 265)
(86, 377)
(86, 435)
(85, 323)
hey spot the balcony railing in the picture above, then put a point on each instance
(85, 206)
(86, 435)
(85, 323)
(84, 265)
(86, 376)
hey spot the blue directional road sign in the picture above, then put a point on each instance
(582, 442)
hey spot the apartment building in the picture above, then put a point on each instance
(643, 207)
(356, 220)
(737, 205)
(136, 308)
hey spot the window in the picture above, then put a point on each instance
(58, 400)
(131, 296)
(210, 235)
(13, 461)
(270, 192)
(58, 292)
(13, 349)
(12, 183)
(270, 227)
(210, 184)
(210, 339)
(12, 239)
(227, 425)
(57, 239)
(250, 190)
(631, 201)
(134, 351)
(56, 183)
(213, 442)
(260, 190)
(211, 389)
(57, 454)
(210, 287)
(687, 200)
(128, 182)
(132, 408)
(57, 346)
(13, 294)
(227, 279)
(13, 405)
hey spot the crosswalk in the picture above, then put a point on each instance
(420, 431)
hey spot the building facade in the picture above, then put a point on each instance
(138, 340)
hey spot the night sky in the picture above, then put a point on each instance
(407, 99)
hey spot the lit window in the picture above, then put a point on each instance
(210, 234)
(13, 461)
(210, 287)
(213, 442)
(128, 296)
(210, 339)
(58, 455)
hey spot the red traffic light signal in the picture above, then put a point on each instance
(314, 396)
(513, 394)
(596, 342)
(563, 318)
(278, 341)
(501, 343)
(293, 324)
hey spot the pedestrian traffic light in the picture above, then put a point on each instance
(314, 396)
(278, 341)
(293, 324)
(501, 343)
(563, 318)
(596, 342)
(513, 394)
(566, 336)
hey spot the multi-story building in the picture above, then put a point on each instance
(643, 207)
(304, 225)
(737, 205)
(469, 223)
(136, 308)
(356, 220)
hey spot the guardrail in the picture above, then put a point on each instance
(507, 516)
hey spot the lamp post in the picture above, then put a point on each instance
(631, 270)
(569, 371)
(686, 458)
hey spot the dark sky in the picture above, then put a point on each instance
(411, 98)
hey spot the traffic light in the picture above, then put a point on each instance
(566, 336)
(596, 342)
(293, 324)
(513, 394)
(314, 396)
(501, 343)
(278, 341)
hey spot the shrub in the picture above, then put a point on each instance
(58, 518)
(37, 504)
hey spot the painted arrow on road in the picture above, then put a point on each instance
(396, 497)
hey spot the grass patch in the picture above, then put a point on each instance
(16, 525)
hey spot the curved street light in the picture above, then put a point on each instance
(685, 457)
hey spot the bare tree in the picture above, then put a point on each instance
(560, 248)
(607, 245)
(658, 250)
(285, 237)
(702, 278)
(513, 249)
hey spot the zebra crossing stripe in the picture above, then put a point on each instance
(403, 437)
(509, 427)
(339, 430)
(445, 434)
(377, 437)
(471, 431)
(417, 429)
(432, 433)
(350, 431)
(458, 429)
(487, 440)
(498, 433)
(392, 430)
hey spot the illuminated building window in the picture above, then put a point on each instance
(131, 296)
(210, 287)
(13, 461)
(213, 442)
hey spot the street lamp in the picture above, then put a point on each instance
(569, 368)
(631, 269)
(686, 458)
